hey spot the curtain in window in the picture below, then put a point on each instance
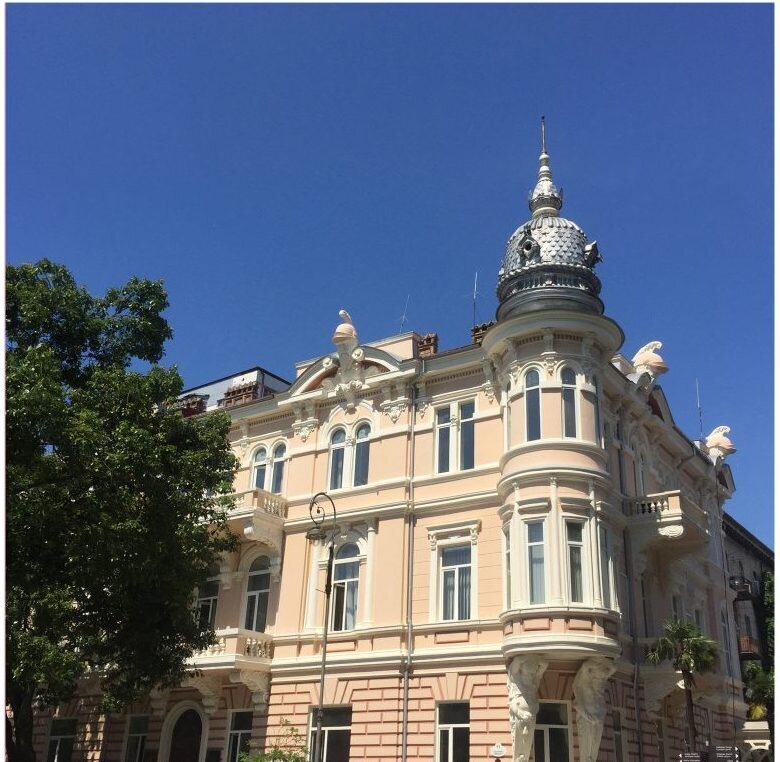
(464, 593)
(536, 563)
(448, 594)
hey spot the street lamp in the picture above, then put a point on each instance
(317, 514)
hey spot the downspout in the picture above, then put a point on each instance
(628, 560)
(407, 665)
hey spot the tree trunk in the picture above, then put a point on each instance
(19, 728)
(689, 711)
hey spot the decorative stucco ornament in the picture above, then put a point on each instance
(646, 360)
(718, 444)
(591, 704)
(548, 260)
(524, 675)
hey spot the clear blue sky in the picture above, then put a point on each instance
(273, 164)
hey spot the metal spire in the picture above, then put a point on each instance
(545, 198)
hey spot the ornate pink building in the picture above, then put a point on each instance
(516, 520)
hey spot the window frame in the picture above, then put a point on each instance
(365, 442)
(572, 387)
(59, 737)
(139, 755)
(454, 429)
(212, 599)
(325, 730)
(257, 593)
(528, 544)
(277, 467)
(456, 584)
(444, 536)
(607, 567)
(257, 465)
(334, 449)
(537, 388)
(584, 566)
(345, 584)
(230, 732)
(546, 727)
(450, 727)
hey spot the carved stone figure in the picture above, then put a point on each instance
(718, 444)
(525, 673)
(591, 704)
(646, 360)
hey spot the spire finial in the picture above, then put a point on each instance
(545, 198)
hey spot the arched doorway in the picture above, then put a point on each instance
(185, 738)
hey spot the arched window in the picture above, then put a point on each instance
(258, 586)
(533, 423)
(361, 454)
(337, 440)
(345, 587)
(259, 468)
(568, 391)
(277, 472)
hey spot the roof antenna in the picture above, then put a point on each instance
(403, 317)
(698, 407)
(474, 302)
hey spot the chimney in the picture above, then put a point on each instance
(428, 345)
(478, 331)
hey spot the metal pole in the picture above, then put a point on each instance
(318, 516)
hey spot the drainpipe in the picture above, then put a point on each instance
(407, 665)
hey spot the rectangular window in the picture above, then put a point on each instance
(466, 436)
(569, 417)
(207, 602)
(336, 467)
(63, 733)
(617, 733)
(456, 582)
(136, 738)
(508, 568)
(533, 415)
(240, 735)
(551, 735)
(443, 440)
(677, 612)
(574, 542)
(536, 561)
(606, 571)
(336, 731)
(453, 732)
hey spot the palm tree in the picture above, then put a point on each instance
(690, 653)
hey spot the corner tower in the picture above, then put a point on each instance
(549, 262)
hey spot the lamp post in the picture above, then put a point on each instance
(317, 514)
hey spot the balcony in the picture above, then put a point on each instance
(259, 516)
(748, 647)
(236, 649)
(659, 518)
(741, 586)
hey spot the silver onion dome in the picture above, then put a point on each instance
(548, 262)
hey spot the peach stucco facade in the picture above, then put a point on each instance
(517, 519)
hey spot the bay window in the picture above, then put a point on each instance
(535, 541)
(575, 556)
(568, 401)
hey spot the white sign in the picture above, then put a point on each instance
(498, 750)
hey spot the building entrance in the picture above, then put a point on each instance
(185, 739)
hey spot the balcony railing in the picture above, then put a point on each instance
(742, 587)
(235, 644)
(669, 514)
(266, 502)
(748, 647)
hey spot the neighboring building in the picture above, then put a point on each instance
(748, 561)
(517, 519)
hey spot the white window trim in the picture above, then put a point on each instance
(576, 388)
(325, 728)
(526, 560)
(169, 723)
(272, 461)
(229, 732)
(449, 726)
(454, 427)
(127, 733)
(350, 454)
(365, 543)
(266, 463)
(540, 373)
(359, 559)
(58, 737)
(570, 734)
(585, 562)
(445, 536)
(249, 575)
(331, 450)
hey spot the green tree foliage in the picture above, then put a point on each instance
(116, 503)
(289, 747)
(691, 654)
(759, 678)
